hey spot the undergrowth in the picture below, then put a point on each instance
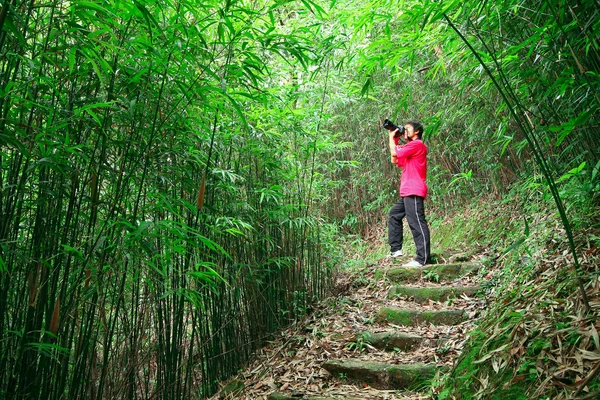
(535, 341)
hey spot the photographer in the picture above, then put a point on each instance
(412, 158)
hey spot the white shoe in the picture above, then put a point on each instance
(413, 263)
(395, 254)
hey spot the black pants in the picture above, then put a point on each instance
(413, 208)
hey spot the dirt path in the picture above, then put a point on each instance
(383, 337)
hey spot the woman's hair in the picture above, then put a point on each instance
(417, 127)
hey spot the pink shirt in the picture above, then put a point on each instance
(412, 158)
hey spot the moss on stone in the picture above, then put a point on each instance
(235, 386)
(404, 274)
(424, 294)
(420, 294)
(443, 317)
(396, 316)
(414, 376)
(410, 317)
(451, 271)
(382, 375)
(280, 396)
(411, 274)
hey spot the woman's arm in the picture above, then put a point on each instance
(392, 145)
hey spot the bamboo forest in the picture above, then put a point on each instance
(194, 199)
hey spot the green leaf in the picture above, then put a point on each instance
(73, 251)
(150, 20)
(72, 59)
(572, 172)
(567, 128)
(209, 275)
(49, 349)
(10, 28)
(93, 6)
(311, 4)
(367, 86)
(595, 171)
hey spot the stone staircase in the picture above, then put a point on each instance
(421, 304)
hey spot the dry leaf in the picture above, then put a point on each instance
(595, 336)
(589, 355)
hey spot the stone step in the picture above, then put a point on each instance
(439, 293)
(382, 375)
(391, 341)
(441, 272)
(404, 317)
(280, 396)
(451, 257)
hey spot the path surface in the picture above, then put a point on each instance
(387, 336)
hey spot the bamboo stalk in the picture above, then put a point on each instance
(541, 162)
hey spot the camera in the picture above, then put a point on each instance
(389, 125)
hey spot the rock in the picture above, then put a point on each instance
(460, 257)
(382, 375)
(432, 272)
(400, 274)
(400, 316)
(232, 389)
(424, 294)
(451, 271)
(279, 396)
(391, 340)
(439, 258)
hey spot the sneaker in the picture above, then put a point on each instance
(395, 254)
(413, 263)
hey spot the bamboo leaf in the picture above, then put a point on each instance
(491, 354)
(92, 6)
(366, 86)
(209, 276)
(49, 349)
(150, 20)
(313, 7)
(9, 27)
(73, 251)
(573, 172)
